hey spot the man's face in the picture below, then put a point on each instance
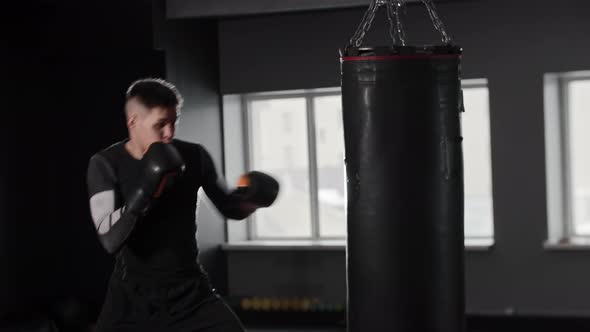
(156, 124)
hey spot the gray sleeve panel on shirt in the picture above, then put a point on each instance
(111, 221)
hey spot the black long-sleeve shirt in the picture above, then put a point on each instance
(164, 240)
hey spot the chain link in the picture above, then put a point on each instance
(396, 29)
(438, 24)
(395, 22)
(357, 38)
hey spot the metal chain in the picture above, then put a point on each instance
(395, 23)
(365, 25)
(438, 24)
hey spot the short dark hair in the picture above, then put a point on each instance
(155, 92)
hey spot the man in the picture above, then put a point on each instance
(143, 198)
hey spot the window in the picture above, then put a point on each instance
(578, 118)
(330, 166)
(285, 155)
(308, 160)
(479, 216)
(567, 115)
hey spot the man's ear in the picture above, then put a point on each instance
(131, 120)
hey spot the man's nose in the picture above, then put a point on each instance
(168, 132)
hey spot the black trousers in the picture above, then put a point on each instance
(176, 304)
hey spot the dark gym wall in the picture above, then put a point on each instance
(192, 64)
(217, 8)
(68, 67)
(512, 44)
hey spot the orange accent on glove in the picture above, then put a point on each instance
(243, 181)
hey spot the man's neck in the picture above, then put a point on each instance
(134, 150)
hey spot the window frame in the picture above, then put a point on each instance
(309, 95)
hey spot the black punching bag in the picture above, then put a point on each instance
(404, 168)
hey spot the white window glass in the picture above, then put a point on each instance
(279, 146)
(479, 216)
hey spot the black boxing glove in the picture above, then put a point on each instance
(258, 189)
(162, 163)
